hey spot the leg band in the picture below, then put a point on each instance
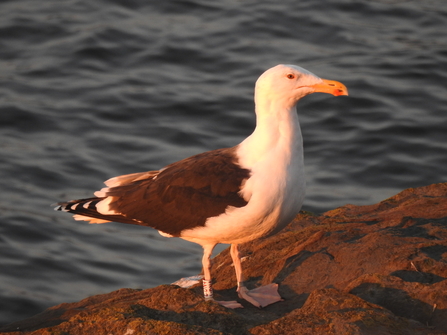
(207, 290)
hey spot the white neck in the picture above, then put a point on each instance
(277, 132)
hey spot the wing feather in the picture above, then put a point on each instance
(181, 196)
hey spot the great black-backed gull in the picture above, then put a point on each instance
(232, 195)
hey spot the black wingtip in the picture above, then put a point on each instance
(57, 206)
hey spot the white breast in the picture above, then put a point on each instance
(275, 190)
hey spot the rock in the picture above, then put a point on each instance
(378, 269)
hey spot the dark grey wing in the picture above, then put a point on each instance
(183, 195)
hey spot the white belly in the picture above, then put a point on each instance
(275, 193)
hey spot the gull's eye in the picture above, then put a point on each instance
(291, 76)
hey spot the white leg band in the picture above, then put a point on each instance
(207, 290)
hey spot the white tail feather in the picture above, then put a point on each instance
(79, 217)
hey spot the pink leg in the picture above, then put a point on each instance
(207, 287)
(259, 297)
(235, 256)
(206, 263)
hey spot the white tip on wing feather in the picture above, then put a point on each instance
(128, 178)
(165, 234)
(85, 205)
(103, 207)
(101, 193)
(123, 180)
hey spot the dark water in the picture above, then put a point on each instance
(94, 89)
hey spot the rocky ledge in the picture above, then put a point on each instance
(378, 269)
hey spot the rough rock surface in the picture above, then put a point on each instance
(378, 269)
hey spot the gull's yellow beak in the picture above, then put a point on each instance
(332, 87)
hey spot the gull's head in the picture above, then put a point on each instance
(290, 83)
